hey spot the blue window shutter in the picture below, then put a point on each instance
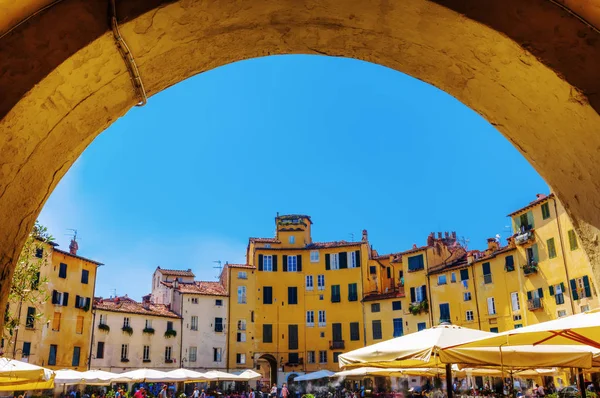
(586, 286)
(573, 284)
(412, 295)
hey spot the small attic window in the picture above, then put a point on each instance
(292, 239)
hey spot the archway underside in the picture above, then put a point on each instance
(529, 68)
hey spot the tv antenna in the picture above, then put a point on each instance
(464, 242)
(219, 267)
(351, 236)
(73, 233)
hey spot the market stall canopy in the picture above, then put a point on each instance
(415, 350)
(581, 329)
(217, 375)
(498, 372)
(249, 374)
(17, 375)
(145, 375)
(186, 375)
(386, 372)
(321, 374)
(102, 378)
(520, 357)
(68, 377)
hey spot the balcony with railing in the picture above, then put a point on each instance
(535, 304)
(530, 268)
(524, 236)
(399, 289)
(337, 345)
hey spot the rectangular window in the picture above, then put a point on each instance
(218, 325)
(292, 239)
(487, 273)
(509, 263)
(314, 256)
(518, 325)
(292, 295)
(240, 359)
(126, 322)
(267, 295)
(241, 294)
(376, 326)
(573, 240)
(453, 277)
(193, 354)
(373, 270)
(293, 358)
(56, 322)
(217, 354)
(352, 292)
(310, 318)
(218, 302)
(293, 337)
(322, 320)
(30, 321)
(148, 324)
(467, 296)
(309, 282)
(491, 306)
(545, 211)
(416, 263)
(354, 331)
(551, 248)
(517, 317)
(241, 324)
(267, 263)
(79, 325)
(441, 279)
(562, 313)
(169, 325)
(85, 276)
(464, 275)
(310, 357)
(559, 293)
(194, 300)
(62, 271)
(421, 326)
(76, 355)
(241, 337)
(334, 261)
(267, 333)
(100, 350)
(336, 332)
(494, 330)
(194, 322)
(375, 307)
(470, 316)
(26, 349)
(398, 327)
(420, 293)
(514, 299)
(292, 263)
(335, 294)
(103, 319)
(445, 313)
(242, 275)
(322, 356)
(35, 282)
(584, 308)
(336, 356)
(39, 252)
(168, 351)
(52, 354)
(396, 305)
(352, 259)
(321, 282)
(124, 351)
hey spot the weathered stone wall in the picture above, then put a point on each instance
(530, 68)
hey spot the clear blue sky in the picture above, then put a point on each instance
(185, 180)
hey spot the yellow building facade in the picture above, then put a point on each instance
(301, 303)
(61, 337)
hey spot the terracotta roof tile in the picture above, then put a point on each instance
(200, 287)
(539, 200)
(264, 240)
(241, 266)
(76, 256)
(177, 272)
(328, 245)
(127, 305)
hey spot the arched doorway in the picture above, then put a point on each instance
(268, 368)
(529, 68)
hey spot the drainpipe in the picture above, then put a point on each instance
(93, 319)
(476, 297)
(181, 323)
(430, 299)
(362, 286)
(562, 248)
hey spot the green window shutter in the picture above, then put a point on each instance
(412, 295)
(530, 218)
(536, 256)
(573, 240)
(562, 287)
(551, 289)
(486, 268)
(551, 248)
(274, 263)
(541, 292)
(284, 263)
(586, 286)
(357, 258)
(260, 262)
(327, 262)
(343, 256)
(517, 223)
(464, 274)
(299, 262)
(573, 284)
(529, 295)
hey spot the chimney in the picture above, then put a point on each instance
(146, 302)
(176, 284)
(540, 196)
(446, 235)
(414, 246)
(73, 247)
(493, 244)
(430, 239)
(453, 234)
(365, 236)
(439, 235)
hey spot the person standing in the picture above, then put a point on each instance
(284, 391)
(139, 393)
(196, 393)
(163, 392)
(274, 391)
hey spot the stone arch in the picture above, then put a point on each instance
(273, 369)
(529, 68)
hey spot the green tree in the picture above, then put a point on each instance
(27, 287)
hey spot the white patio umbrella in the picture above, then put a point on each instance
(68, 377)
(249, 374)
(217, 375)
(320, 374)
(415, 350)
(145, 375)
(17, 375)
(368, 371)
(186, 375)
(102, 378)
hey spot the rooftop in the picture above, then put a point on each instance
(540, 199)
(127, 305)
(264, 240)
(290, 217)
(200, 287)
(176, 272)
(76, 256)
(248, 266)
(327, 245)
